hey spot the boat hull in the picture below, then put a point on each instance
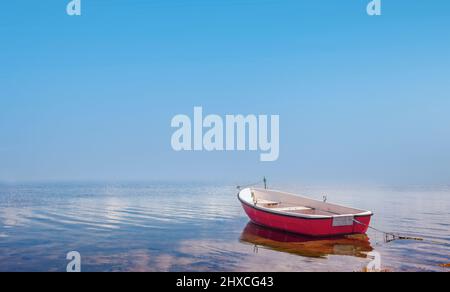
(316, 227)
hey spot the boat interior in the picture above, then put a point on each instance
(292, 204)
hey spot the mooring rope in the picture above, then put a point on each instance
(263, 181)
(389, 236)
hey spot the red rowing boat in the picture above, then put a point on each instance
(302, 215)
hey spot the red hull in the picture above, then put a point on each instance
(306, 226)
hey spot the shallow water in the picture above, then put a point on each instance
(201, 227)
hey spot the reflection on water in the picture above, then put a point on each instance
(200, 227)
(351, 245)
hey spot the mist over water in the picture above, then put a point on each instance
(201, 227)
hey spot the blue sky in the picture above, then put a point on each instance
(361, 99)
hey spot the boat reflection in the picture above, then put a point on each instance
(349, 245)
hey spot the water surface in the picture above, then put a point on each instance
(201, 227)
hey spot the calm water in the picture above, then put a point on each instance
(182, 227)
